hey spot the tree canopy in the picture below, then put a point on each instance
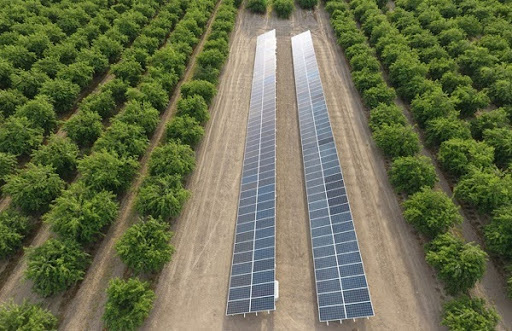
(410, 173)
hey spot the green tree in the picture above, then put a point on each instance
(118, 87)
(106, 171)
(501, 140)
(501, 92)
(308, 4)
(185, 130)
(60, 153)
(62, 93)
(257, 6)
(172, 158)
(145, 246)
(102, 103)
(142, 114)
(431, 212)
(129, 71)
(55, 266)
(195, 107)
(26, 316)
(40, 113)
(396, 140)
(84, 128)
(153, 93)
(498, 233)
(211, 57)
(410, 173)
(18, 137)
(457, 156)
(10, 100)
(467, 100)
(28, 82)
(431, 105)
(379, 94)
(34, 187)
(162, 197)
(13, 228)
(79, 73)
(126, 140)
(7, 165)
(80, 213)
(465, 313)
(128, 304)
(6, 70)
(203, 88)
(460, 265)
(486, 190)
(445, 128)
(494, 119)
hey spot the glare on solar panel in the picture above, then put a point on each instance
(341, 286)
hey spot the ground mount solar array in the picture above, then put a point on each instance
(341, 286)
(252, 280)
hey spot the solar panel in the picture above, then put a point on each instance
(252, 281)
(341, 287)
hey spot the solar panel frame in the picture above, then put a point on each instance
(336, 255)
(252, 278)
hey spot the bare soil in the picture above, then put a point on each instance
(192, 289)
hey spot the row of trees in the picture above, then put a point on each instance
(468, 149)
(431, 212)
(145, 246)
(34, 187)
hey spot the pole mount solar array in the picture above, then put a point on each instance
(341, 286)
(252, 281)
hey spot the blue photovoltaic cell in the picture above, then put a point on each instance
(251, 285)
(342, 290)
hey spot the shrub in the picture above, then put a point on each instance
(128, 304)
(102, 103)
(129, 71)
(13, 229)
(145, 246)
(40, 113)
(62, 93)
(386, 114)
(465, 313)
(485, 190)
(18, 137)
(397, 140)
(431, 212)
(460, 265)
(172, 158)
(203, 88)
(106, 171)
(141, 114)
(410, 173)
(501, 140)
(7, 165)
(84, 128)
(457, 156)
(60, 153)
(195, 107)
(445, 128)
(26, 316)
(308, 4)
(34, 187)
(257, 6)
(10, 100)
(55, 266)
(185, 130)
(126, 140)
(498, 233)
(283, 8)
(162, 197)
(80, 214)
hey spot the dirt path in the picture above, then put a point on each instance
(191, 293)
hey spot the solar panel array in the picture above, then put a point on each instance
(341, 287)
(251, 287)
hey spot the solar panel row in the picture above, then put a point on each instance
(342, 290)
(252, 280)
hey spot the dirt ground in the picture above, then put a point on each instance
(192, 289)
